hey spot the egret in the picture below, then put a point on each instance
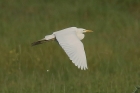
(69, 40)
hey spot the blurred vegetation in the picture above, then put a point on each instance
(113, 50)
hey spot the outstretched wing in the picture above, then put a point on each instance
(73, 47)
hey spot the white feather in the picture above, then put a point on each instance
(69, 40)
(73, 47)
(48, 37)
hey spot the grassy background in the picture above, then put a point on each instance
(113, 50)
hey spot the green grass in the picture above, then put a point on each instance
(113, 50)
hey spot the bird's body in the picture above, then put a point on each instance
(69, 40)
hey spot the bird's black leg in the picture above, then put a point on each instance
(38, 42)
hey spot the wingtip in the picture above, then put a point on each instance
(83, 68)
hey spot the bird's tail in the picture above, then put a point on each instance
(39, 42)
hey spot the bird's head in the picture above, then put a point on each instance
(81, 30)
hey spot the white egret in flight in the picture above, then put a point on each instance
(69, 40)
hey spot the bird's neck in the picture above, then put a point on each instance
(80, 36)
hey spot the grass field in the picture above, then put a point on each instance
(113, 50)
